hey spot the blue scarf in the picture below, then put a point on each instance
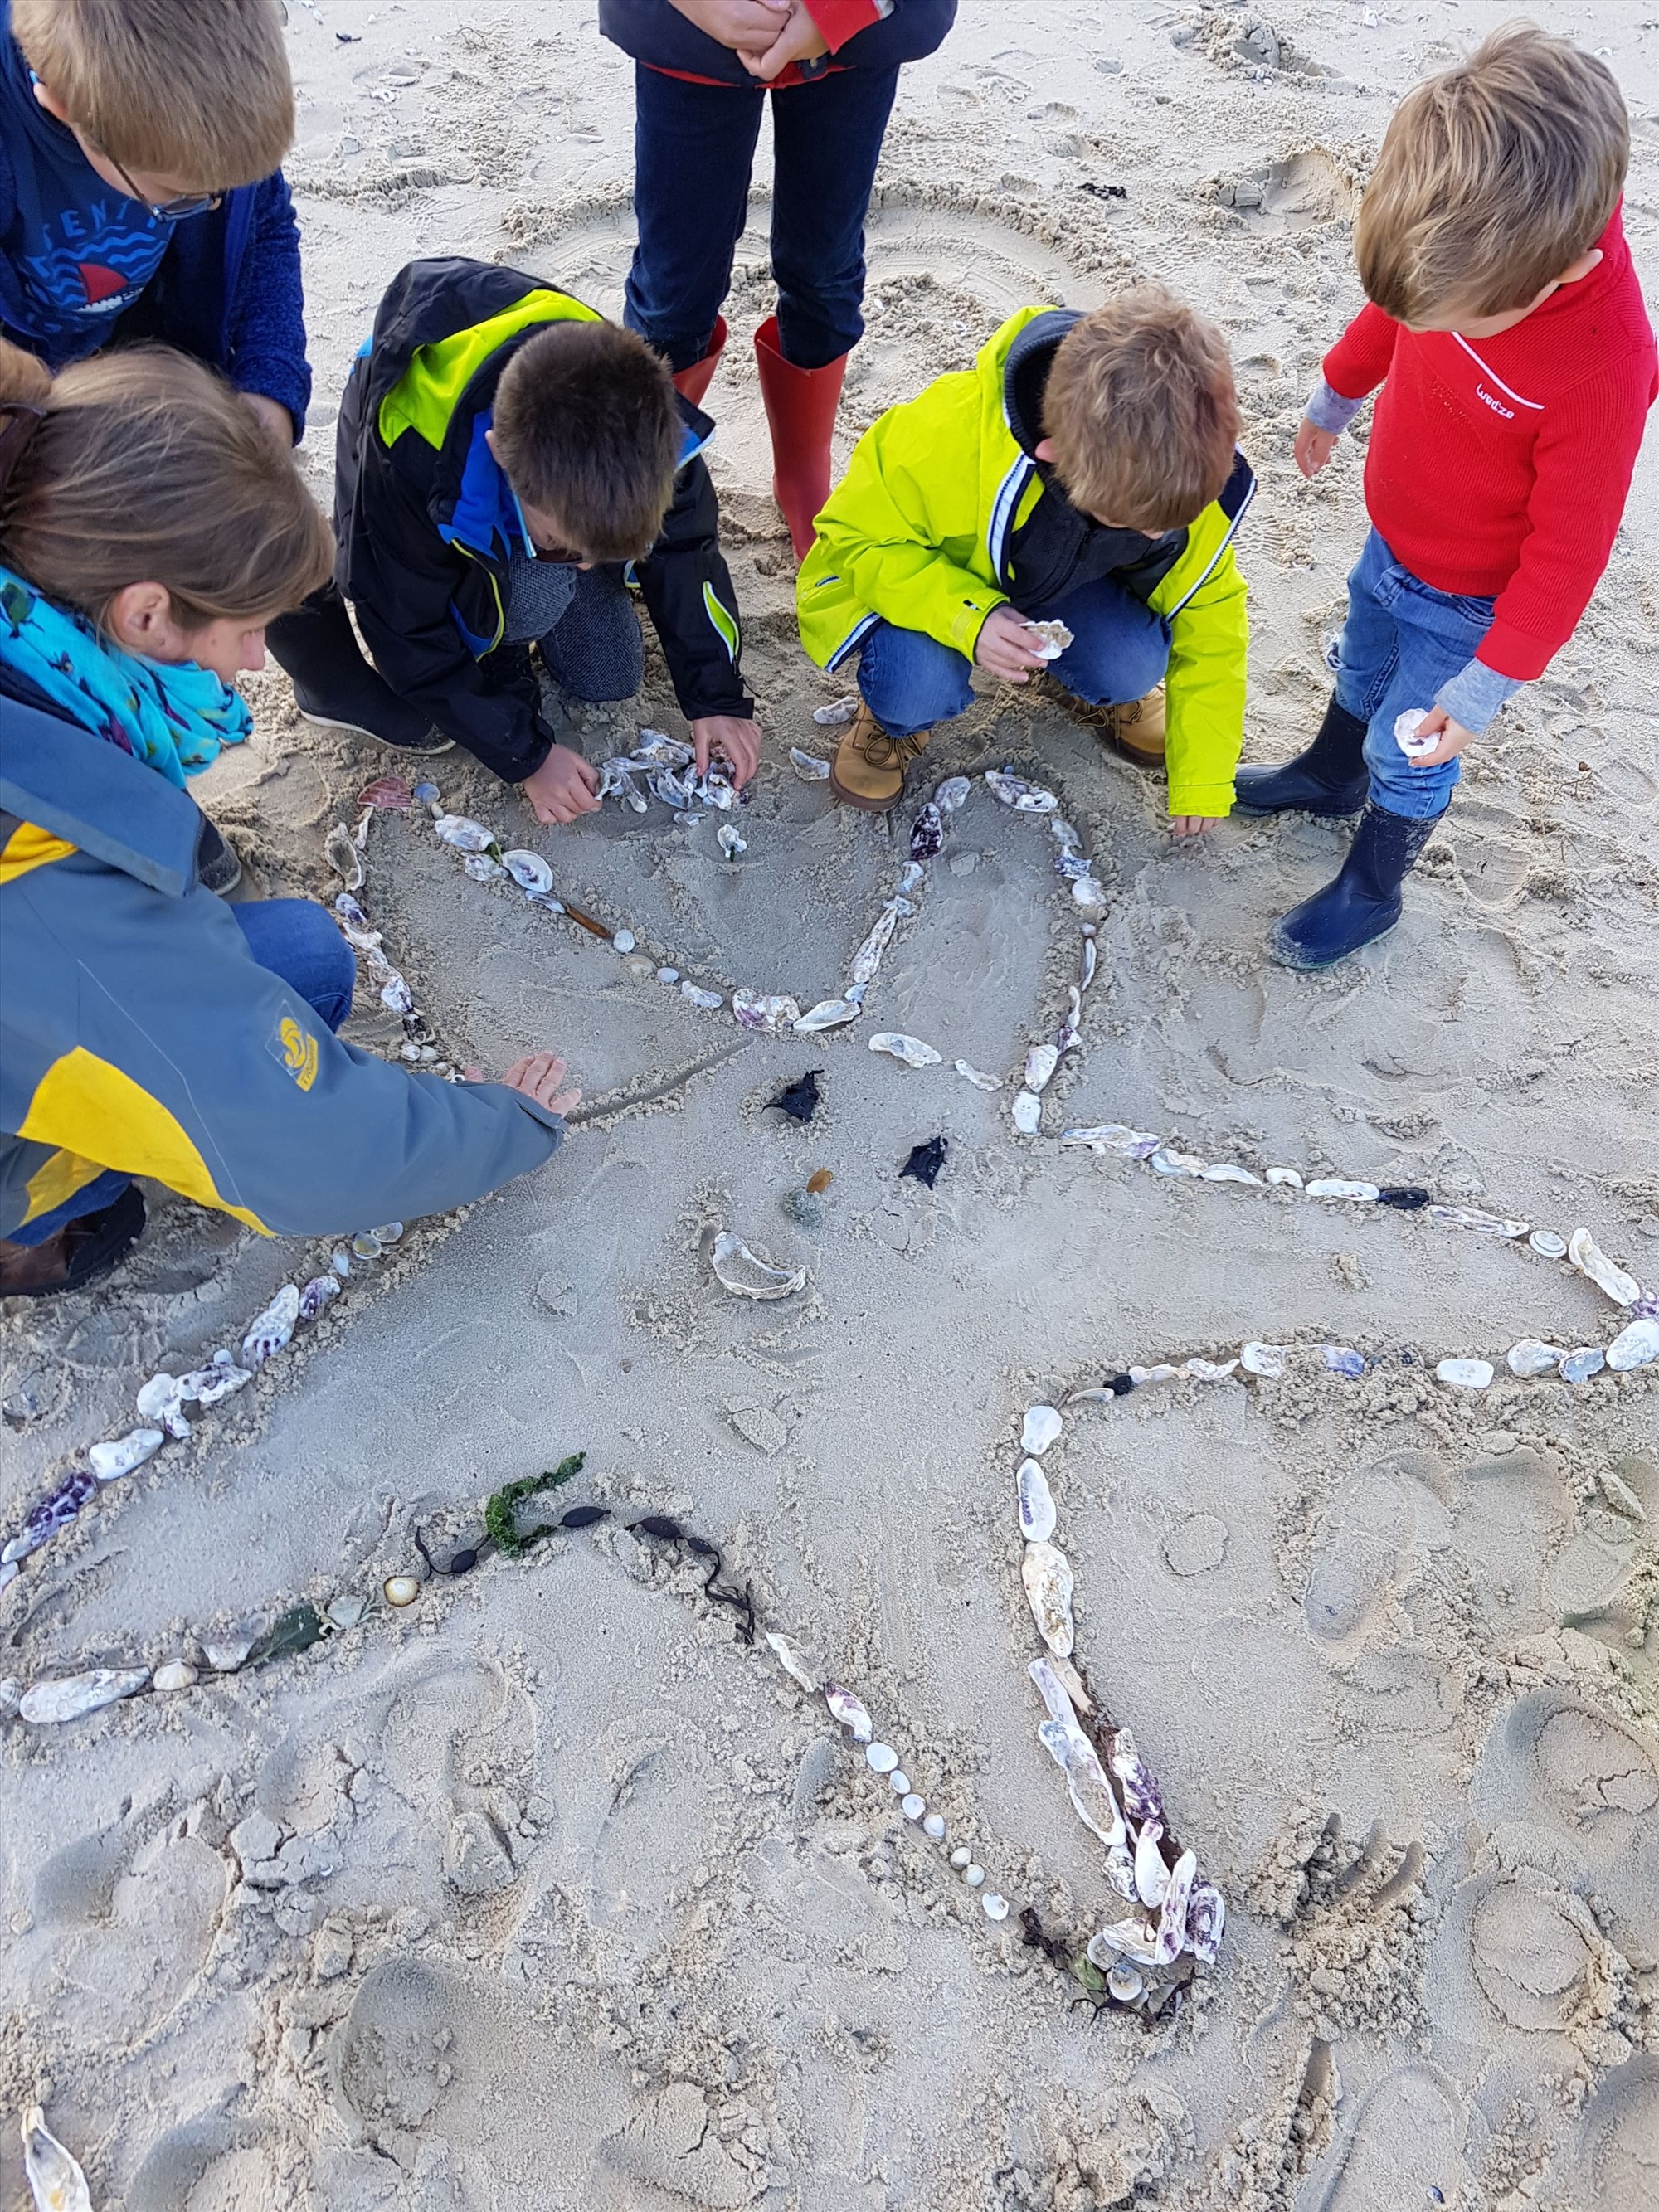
(174, 719)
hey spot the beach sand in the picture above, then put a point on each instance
(550, 1893)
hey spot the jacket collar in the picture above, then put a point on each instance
(109, 806)
(1026, 374)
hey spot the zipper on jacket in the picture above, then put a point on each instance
(495, 585)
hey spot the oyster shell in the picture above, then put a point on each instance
(1037, 1505)
(1337, 1186)
(268, 1331)
(528, 870)
(1089, 961)
(1128, 1939)
(867, 958)
(1206, 1919)
(161, 1400)
(1115, 1137)
(952, 793)
(1072, 1682)
(1172, 1920)
(1152, 1874)
(1287, 1178)
(1040, 1062)
(1532, 1357)
(790, 1656)
(1209, 1370)
(1225, 1172)
(212, 1384)
(109, 1461)
(1267, 1360)
(1052, 638)
(55, 2181)
(1047, 1575)
(927, 833)
(1142, 1798)
(842, 710)
(341, 851)
(850, 1711)
(707, 999)
(1014, 791)
(73, 1695)
(1166, 1161)
(1406, 728)
(1588, 1257)
(1040, 1427)
(765, 1015)
(1585, 1360)
(1087, 892)
(1473, 1216)
(749, 1274)
(808, 766)
(911, 1050)
(1026, 1113)
(1343, 1359)
(977, 1077)
(465, 835)
(1635, 1346)
(317, 1293)
(1465, 1374)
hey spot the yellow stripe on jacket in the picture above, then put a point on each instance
(27, 847)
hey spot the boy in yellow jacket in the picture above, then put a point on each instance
(1083, 473)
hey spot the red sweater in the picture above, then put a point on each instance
(1499, 467)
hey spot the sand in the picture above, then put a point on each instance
(548, 1893)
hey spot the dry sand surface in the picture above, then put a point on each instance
(548, 1893)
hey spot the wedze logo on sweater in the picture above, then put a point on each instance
(1497, 406)
(295, 1051)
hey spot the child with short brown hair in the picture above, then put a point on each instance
(1507, 330)
(1083, 473)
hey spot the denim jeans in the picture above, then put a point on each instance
(1119, 650)
(295, 939)
(585, 622)
(1401, 641)
(694, 145)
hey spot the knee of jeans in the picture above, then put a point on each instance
(1132, 667)
(910, 690)
(1399, 785)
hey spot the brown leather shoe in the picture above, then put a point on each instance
(79, 1254)
(868, 769)
(1134, 729)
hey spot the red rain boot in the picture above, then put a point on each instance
(800, 409)
(692, 382)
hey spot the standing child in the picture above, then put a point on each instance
(1507, 330)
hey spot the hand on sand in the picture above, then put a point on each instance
(737, 740)
(1452, 738)
(540, 1076)
(801, 40)
(1188, 825)
(1314, 447)
(563, 787)
(1007, 648)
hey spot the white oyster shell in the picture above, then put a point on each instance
(911, 1050)
(1267, 1360)
(1047, 1575)
(1037, 1504)
(268, 1331)
(1635, 1346)
(1026, 1113)
(1040, 1062)
(977, 1077)
(849, 1711)
(793, 1659)
(749, 1274)
(828, 1014)
(1532, 1356)
(72, 1695)
(55, 2181)
(109, 1461)
(1040, 1428)
(1587, 1255)
(528, 870)
(1466, 1374)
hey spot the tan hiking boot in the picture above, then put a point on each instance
(868, 769)
(1134, 729)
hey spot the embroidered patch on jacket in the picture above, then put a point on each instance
(296, 1050)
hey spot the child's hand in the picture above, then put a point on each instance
(1188, 825)
(737, 740)
(1452, 735)
(748, 27)
(1007, 648)
(1314, 447)
(273, 418)
(800, 41)
(563, 787)
(540, 1076)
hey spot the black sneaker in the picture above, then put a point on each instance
(217, 868)
(428, 741)
(335, 687)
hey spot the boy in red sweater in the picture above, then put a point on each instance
(1507, 330)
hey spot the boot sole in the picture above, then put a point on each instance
(359, 730)
(1285, 953)
(1133, 754)
(840, 792)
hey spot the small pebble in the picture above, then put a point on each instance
(668, 974)
(401, 1589)
(623, 940)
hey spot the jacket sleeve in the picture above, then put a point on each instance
(185, 1060)
(838, 21)
(266, 322)
(1360, 359)
(1204, 693)
(401, 580)
(687, 589)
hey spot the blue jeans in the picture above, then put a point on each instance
(694, 145)
(295, 939)
(1119, 650)
(1401, 641)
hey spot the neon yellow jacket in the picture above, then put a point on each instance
(919, 532)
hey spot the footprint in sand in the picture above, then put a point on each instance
(671, 2146)
(398, 2058)
(1619, 2142)
(1406, 2149)
(1531, 1946)
(218, 2165)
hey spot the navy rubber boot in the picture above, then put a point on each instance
(1362, 903)
(1329, 778)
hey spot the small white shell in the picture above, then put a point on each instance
(1335, 1187)
(1547, 1244)
(219, 1380)
(1225, 1171)
(73, 1695)
(528, 870)
(160, 1400)
(317, 1293)
(55, 2181)
(1532, 1356)
(109, 1461)
(707, 999)
(175, 1674)
(952, 793)
(1267, 1360)
(828, 1014)
(1040, 1062)
(623, 940)
(1584, 1361)
(668, 974)
(912, 1807)
(973, 1875)
(1287, 1178)
(1040, 1427)
(1053, 637)
(1466, 1374)
(1125, 1984)
(465, 835)
(1635, 1346)
(225, 1653)
(808, 766)
(732, 839)
(1026, 1113)
(1130, 1939)
(401, 1589)
(1587, 1255)
(1037, 1504)
(1088, 893)
(1406, 727)
(843, 710)
(977, 1077)
(911, 1050)
(790, 1656)
(995, 1907)
(899, 1783)
(961, 1858)
(1046, 1573)
(1152, 1874)
(268, 1331)
(881, 1757)
(748, 1274)
(1167, 1162)
(933, 1824)
(850, 1711)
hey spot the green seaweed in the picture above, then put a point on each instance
(296, 1629)
(500, 1523)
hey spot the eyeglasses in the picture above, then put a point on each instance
(178, 210)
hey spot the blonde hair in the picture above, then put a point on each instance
(1141, 411)
(145, 467)
(1493, 180)
(198, 90)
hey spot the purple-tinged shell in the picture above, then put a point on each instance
(316, 1295)
(1206, 1919)
(850, 1711)
(927, 833)
(1143, 1800)
(49, 1516)
(1172, 1921)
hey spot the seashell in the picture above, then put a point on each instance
(1530, 1357)
(426, 793)
(707, 999)
(55, 2181)
(1040, 1062)
(225, 1653)
(73, 1695)
(656, 749)
(1040, 1428)
(111, 1460)
(1588, 1257)
(1162, 1373)
(1635, 1346)
(465, 835)
(790, 1656)
(933, 1824)
(749, 1274)
(912, 876)
(1014, 791)
(1052, 638)
(160, 1400)
(397, 997)
(952, 793)
(846, 1707)
(1225, 1172)
(808, 766)
(1406, 727)
(481, 868)
(1206, 1918)
(899, 1783)
(1130, 1939)
(1578, 1366)
(1465, 1374)
(1472, 1217)
(1087, 892)
(1168, 1162)
(174, 1674)
(867, 958)
(1142, 1798)
(1089, 959)
(268, 1331)
(1047, 1575)
(1287, 1178)
(732, 839)
(365, 1244)
(1124, 1982)
(927, 833)
(995, 1907)
(1071, 866)
(765, 1015)
(1208, 1370)
(977, 1077)
(1335, 1187)
(668, 974)
(1172, 1920)
(49, 1515)
(880, 1758)
(961, 1858)
(401, 1589)
(1343, 1359)
(212, 1384)
(911, 1050)
(340, 1260)
(1037, 1505)
(1072, 1682)
(1152, 1876)
(1052, 1689)
(388, 791)
(911, 1805)
(973, 1875)
(843, 710)
(528, 870)
(1547, 1244)
(1114, 1137)
(1026, 1113)
(317, 1294)
(341, 851)
(1267, 1360)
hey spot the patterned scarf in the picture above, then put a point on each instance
(174, 719)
